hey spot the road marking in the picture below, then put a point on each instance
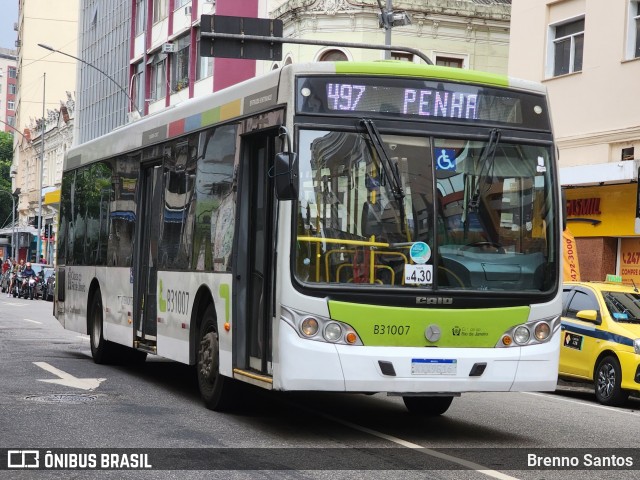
(69, 380)
(570, 400)
(427, 451)
(32, 321)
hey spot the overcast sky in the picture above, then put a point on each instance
(8, 16)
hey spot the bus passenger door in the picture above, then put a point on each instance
(146, 259)
(255, 265)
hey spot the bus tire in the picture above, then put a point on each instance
(216, 390)
(427, 406)
(608, 379)
(102, 350)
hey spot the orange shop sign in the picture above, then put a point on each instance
(630, 259)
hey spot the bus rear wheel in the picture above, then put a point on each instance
(102, 350)
(427, 406)
(216, 390)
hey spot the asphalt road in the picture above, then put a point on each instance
(54, 398)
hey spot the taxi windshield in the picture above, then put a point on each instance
(623, 306)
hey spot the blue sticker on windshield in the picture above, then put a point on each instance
(620, 316)
(445, 159)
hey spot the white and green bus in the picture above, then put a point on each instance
(345, 227)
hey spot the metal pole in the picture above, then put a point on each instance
(387, 31)
(303, 41)
(44, 128)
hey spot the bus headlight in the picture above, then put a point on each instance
(542, 331)
(636, 346)
(521, 335)
(309, 326)
(531, 333)
(319, 328)
(332, 332)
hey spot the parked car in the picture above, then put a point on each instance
(601, 338)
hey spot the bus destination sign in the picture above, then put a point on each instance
(420, 99)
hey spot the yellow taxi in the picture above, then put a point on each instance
(600, 340)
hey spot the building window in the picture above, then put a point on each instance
(633, 30)
(636, 20)
(568, 44)
(180, 64)
(449, 62)
(12, 89)
(11, 106)
(159, 10)
(403, 56)
(137, 87)
(12, 72)
(628, 154)
(158, 77)
(333, 56)
(180, 3)
(204, 65)
(11, 120)
(141, 16)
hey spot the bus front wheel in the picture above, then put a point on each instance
(427, 406)
(216, 390)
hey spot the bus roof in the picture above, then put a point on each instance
(257, 94)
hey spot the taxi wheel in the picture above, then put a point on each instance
(607, 382)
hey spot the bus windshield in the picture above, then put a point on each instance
(424, 212)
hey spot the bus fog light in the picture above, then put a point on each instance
(506, 340)
(521, 335)
(542, 331)
(332, 332)
(309, 326)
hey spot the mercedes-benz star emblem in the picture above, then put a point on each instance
(432, 333)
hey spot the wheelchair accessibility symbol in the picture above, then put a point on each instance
(445, 159)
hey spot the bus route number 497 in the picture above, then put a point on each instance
(418, 274)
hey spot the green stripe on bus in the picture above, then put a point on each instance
(407, 69)
(405, 327)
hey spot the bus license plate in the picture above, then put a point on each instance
(434, 366)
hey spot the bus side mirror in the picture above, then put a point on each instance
(285, 173)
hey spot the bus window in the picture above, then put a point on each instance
(215, 207)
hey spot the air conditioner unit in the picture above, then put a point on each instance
(168, 48)
(15, 26)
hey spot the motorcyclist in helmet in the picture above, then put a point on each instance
(28, 271)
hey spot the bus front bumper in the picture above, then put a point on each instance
(318, 366)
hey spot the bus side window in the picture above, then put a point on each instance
(214, 199)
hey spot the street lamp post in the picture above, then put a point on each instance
(44, 128)
(131, 103)
(390, 19)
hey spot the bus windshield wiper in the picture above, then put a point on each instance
(391, 170)
(486, 161)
